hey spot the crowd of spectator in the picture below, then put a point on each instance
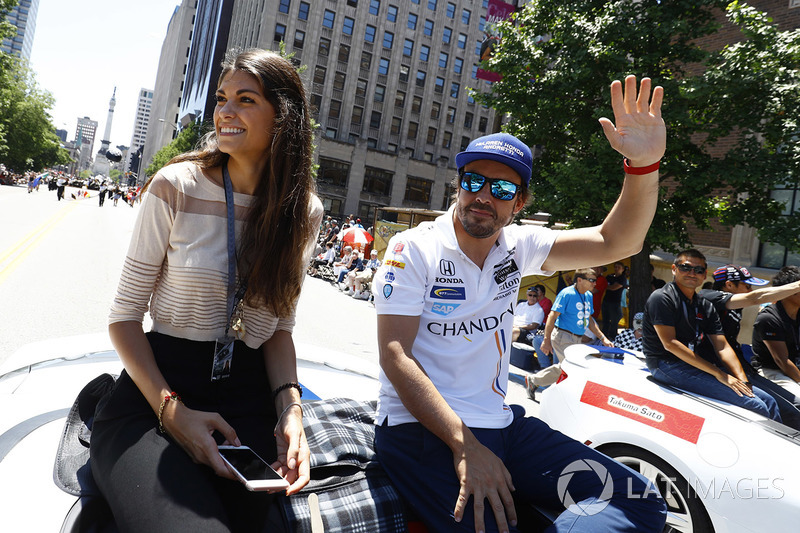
(349, 266)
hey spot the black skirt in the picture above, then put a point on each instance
(149, 481)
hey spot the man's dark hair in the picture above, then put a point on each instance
(541, 289)
(720, 284)
(692, 253)
(786, 275)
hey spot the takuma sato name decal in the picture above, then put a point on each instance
(681, 424)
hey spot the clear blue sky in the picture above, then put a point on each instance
(83, 48)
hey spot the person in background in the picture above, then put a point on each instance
(676, 322)
(732, 291)
(103, 191)
(655, 283)
(218, 256)
(365, 276)
(542, 299)
(61, 182)
(569, 319)
(612, 300)
(327, 259)
(598, 291)
(343, 264)
(631, 338)
(528, 317)
(776, 334)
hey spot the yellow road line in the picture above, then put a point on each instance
(17, 253)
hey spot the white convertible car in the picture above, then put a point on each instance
(719, 467)
(39, 384)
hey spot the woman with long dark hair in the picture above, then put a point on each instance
(218, 255)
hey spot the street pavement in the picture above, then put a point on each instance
(60, 263)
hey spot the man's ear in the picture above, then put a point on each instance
(519, 203)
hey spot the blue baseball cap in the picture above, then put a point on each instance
(503, 148)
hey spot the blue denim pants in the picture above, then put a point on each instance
(548, 469)
(686, 377)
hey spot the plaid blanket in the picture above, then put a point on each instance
(355, 495)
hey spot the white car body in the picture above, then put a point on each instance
(744, 468)
(39, 383)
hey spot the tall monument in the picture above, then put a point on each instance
(101, 164)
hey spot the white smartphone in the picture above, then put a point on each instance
(252, 470)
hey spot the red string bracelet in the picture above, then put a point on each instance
(639, 171)
(171, 396)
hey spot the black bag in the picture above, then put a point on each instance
(72, 471)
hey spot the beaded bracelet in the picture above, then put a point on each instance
(171, 396)
(289, 385)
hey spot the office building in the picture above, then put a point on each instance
(209, 44)
(140, 125)
(84, 141)
(23, 17)
(169, 82)
(389, 82)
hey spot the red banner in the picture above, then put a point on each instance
(496, 12)
(668, 419)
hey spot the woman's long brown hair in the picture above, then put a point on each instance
(278, 228)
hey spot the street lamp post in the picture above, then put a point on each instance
(174, 126)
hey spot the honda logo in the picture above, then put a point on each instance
(447, 268)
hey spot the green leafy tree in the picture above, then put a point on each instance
(185, 141)
(557, 59)
(30, 141)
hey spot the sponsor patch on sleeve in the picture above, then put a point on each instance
(393, 263)
(398, 248)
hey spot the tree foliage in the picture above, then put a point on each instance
(558, 58)
(185, 141)
(28, 139)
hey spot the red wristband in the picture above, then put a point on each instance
(639, 171)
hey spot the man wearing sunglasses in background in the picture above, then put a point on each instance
(445, 298)
(568, 321)
(676, 322)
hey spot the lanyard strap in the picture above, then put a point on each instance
(233, 299)
(697, 334)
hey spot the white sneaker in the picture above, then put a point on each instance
(357, 295)
(347, 290)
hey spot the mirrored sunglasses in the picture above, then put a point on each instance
(499, 188)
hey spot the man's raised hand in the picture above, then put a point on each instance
(638, 131)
